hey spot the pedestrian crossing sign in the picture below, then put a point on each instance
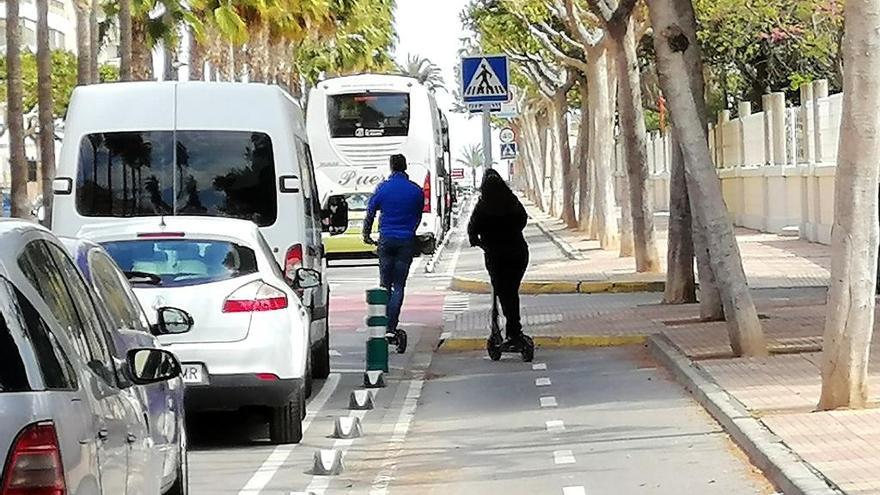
(508, 151)
(485, 79)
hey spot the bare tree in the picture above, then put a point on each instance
(850, 315)
(14, 119)
(125, 40)
(680, 283)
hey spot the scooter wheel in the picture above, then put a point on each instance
(493, 348)
(401, 341)
(528, 349)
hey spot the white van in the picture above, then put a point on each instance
(356, 123)
(200, 149)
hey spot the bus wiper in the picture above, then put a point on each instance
(143, 278)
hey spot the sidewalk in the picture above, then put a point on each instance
(563, 261)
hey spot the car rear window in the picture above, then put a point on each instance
(358, 201)
(181, 262)
(147, 173)
(368, 114)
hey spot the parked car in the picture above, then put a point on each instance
(250, 344)
(177, 151)
(123, 312)
(72, 421)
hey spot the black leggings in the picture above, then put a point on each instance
(506, 271)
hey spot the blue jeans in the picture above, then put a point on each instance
(395, 257)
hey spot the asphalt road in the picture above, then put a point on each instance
(457, 423)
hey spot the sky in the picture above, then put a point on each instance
(432, 29)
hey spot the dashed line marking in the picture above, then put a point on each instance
(548, 401)
(574, 490)
(539, 366)
(555, 426)
(542, 382)
(401, 428)
(264, 474)
(563, 457)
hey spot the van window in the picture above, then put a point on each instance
(146, 173)
(368, 114)
(178, 263)
(13, 377)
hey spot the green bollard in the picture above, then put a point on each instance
(377, 323)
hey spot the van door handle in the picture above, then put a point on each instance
(103, 434)
(131, 438)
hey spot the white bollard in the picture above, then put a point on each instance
(347, 427)
(360, 400)
(374, 379)
(328, 462)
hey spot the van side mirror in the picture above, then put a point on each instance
(151, 365)
(334, 218)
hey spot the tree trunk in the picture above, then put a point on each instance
(627, 245)
(566, 178)
(14, 94)
(83, 43)
(196, 59)
(94, 43)
(670, 43)
(551, 162)
(535, 158)
(849, 321)
(45, 108)
(680, 284)
(125, 40)
(141, 53)
(582, 160)
(632, 123)
(602, 96)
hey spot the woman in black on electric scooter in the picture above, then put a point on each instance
(496, 226)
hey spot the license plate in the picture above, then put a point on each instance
(194, 374)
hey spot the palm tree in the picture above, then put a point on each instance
(125, 40)
(425, 71)
(472, 158)
(45, 108)
(14, 120)
(83, 42)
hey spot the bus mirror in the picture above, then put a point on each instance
(335, 216)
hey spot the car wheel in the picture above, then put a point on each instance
(321, 356)
(181, 484)
(285, 424)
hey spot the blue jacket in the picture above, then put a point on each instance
(401, 201)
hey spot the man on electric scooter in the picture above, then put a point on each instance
(496, 226)
(401, 202)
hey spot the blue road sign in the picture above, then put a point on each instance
(508, 151)
(485, 79)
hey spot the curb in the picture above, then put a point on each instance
(478, 286)
(784, 468)
(563, 246)
(560, 342)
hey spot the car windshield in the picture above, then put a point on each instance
(358, 201)
(368, 115)
(178, 263)
(146, 173)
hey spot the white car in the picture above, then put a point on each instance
(249, 346)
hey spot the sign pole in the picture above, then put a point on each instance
(487, 139)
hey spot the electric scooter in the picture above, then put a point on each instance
(398, 338)
(496, 346)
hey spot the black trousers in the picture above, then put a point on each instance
(506, 269)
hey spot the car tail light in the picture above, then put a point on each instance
(267, 377)
(255, 296)
(159, 235)
(427, 189)
(34, 466)
(293, 260)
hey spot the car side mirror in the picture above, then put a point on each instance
(306, 278)
(148, 366)
(172, 321)
(334, 218)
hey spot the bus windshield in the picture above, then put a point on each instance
(145, 173)
(368, 115)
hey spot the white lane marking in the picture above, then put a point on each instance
(263, 475)
(401, 428)
(542, 382)
(563, 457)
(549, 401)
(539, 366)
(555, 426)
(320, 484)
(574, 490)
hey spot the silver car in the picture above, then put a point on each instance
(72, 421)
